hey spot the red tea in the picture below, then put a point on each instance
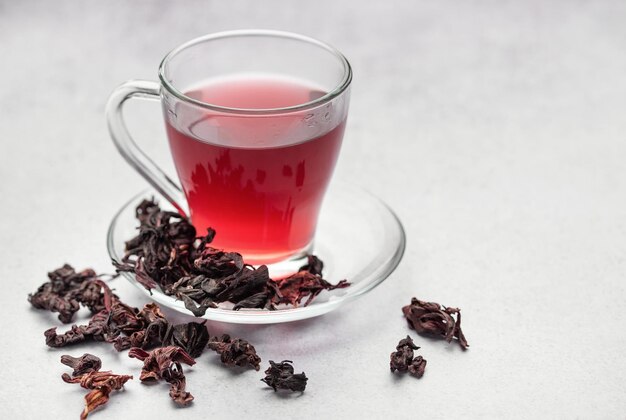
(258, 180)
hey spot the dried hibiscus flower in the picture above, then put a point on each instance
(235, 352)
(432, 319)
(402, 359)
(293, 289)
(165, 363)
(66, 290)
(83, 364)
(87, 374)
(314, 265)
(281, 376)
(95, 330)
(191, 337)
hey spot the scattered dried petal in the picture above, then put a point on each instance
(191, 337)
(217, 263)
(281, 376)
(314, 265)
(431, 319)
(402, 359)
(165, 363)
(83, 364)
(294, 288)
(235, 352)
(100, 384)
(95, 330)
(418, 366)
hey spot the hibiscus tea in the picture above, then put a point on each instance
(257, 178)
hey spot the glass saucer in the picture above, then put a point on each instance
(358, 237)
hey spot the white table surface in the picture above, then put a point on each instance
(495, 129)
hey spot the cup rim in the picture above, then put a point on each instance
(338, 90)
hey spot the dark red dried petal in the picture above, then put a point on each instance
(83, 364)
(235, 352)
(402, 359)
(431, 319)
(281, 376)
(165, 363)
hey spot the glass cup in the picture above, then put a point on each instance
(255, 121)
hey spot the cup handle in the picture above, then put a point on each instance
(127, 147)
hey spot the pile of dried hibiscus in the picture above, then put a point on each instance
(167, 254)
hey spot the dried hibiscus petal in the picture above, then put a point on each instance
(235, 352)
(314, 265)
(95, 330)
(165, 363)
(432, 319)
(293, 289)
(281, 376)
(66, 290)
(402, 359)
(191, 337)
(87, 374)
(83, 364)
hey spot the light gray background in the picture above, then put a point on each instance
(495, 129)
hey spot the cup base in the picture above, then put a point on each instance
(283, 267)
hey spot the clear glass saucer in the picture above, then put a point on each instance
(358, 237)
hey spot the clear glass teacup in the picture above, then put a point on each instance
(255, 122)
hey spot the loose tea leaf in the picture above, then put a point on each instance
(191, 337)
(100, 326)
(101, 385)
(281, 376)
(66, 290)
(149, 327)
(432, 319)
(402, 359)
(165, 363)
(95, 330)
(83, 364)
(314, 265)
(166, 254)
(235, 352)
(161, 249)
(294, 288)
(418, 366)
(214, 262)
(87, 374)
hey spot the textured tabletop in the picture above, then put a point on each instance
(494, 129)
